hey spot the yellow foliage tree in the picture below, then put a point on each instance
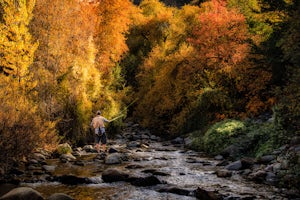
(166, 77)
(81, 43)
(22, 128)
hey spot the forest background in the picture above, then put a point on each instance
(215, 70)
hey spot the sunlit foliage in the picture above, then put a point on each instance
(212, 51)
(22, 127)
(184, 68)
(81, 43)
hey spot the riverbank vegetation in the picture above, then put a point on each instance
(211, 68)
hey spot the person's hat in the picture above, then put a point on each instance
(98, 112)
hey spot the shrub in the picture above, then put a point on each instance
(204, 110)
(222, 134)
(253, 138)
(22, 131)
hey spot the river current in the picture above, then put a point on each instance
(176, 167)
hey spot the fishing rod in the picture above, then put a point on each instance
(128, 105)
(116, 118)
(120, 113)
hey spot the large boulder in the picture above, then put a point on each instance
(22, 193)
(5, 188)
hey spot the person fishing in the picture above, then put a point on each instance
(99, 127)
(100, 134)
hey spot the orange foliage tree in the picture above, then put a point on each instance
(198, 71)
(222, 42)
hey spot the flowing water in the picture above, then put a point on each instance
(177, 167)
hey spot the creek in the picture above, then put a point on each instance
(174, 165)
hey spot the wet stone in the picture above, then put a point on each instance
(114, 175)
(206, 195)
(155, 172)
(266, 159)
(176, 190)
(60, 196)
(219, 157)
(224, 173)
(145, 181)
(22, 193)
(237, 165)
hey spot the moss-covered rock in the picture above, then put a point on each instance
(64, 148)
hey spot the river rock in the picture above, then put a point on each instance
(237, 165)
(178, 140)
(22, 193)
(266, 159)
(206, 195)
(224, 173)
(72, 180)
(133, 144)
(89, 148)
(155, 172)
(219, 157)
(258, 176)
(112, 150)
(231, 151)
(223, 163)
(39, 157)
(276, 167)
(112, 159)
(247, 163)
(5, 188)
(145, 137)
(77, 153)
(175, 190)
(154, 138)
(188, 142)
(144, 181)
(271, 178)
(49, 168)
(60, 196)
(67, 157)
(113, 175)
(32, 161)
(64, 149)
(134, 166)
